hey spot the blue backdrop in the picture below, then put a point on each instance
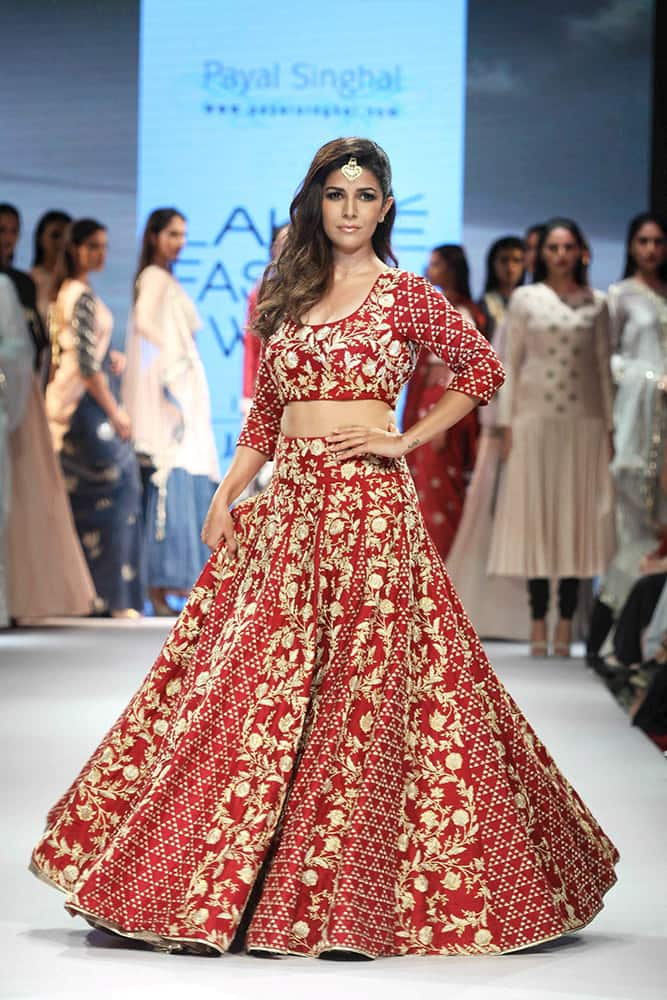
(233, 103)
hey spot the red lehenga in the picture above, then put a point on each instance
(321, 757)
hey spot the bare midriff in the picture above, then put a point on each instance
(319, 417)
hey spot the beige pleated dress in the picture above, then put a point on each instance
(555, 515)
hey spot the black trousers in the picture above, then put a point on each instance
(539, 593)
(635, 616)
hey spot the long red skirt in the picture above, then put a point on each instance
(322, 744)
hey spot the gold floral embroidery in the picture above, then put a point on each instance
(323, 706)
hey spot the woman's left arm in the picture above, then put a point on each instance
(428, 318)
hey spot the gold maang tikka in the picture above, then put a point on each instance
(351, 169)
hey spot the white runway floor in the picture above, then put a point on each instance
(63, 686)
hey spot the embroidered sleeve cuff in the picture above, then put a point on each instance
(481, 381)
(256, 434)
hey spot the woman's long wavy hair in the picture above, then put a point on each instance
(157, 221)
(580, 271)
(300, 276)
(68, 266)
(633, 228)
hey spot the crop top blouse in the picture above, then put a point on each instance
(369, 354)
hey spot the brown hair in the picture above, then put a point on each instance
(299, 278)
(157, 221)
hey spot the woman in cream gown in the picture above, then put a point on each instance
(555, 517)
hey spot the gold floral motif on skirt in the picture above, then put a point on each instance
(324, 714)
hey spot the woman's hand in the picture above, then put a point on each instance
(121, 424)
(218, 525)
(348, 442)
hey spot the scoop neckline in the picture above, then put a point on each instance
(335, 322)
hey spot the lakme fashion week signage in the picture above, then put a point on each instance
(236, 98)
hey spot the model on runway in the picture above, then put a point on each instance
(322, 759)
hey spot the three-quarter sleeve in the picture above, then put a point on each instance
(85, 341)
(426, 317)
(262, 425)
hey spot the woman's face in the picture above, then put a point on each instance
(9, 235)
(438, 272)
(52, 239)
(170, 241)
(561, 253)
(92, 254)
(508, 266)
(351, 210)
(648, 248)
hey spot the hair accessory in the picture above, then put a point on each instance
(351, 169)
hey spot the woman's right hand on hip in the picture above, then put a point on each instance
(218, 526)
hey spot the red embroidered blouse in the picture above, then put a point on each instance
(369, 354)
